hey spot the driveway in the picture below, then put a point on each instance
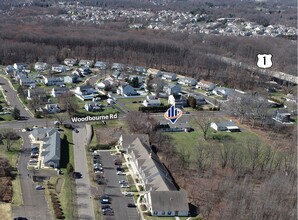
(119, 201)
(84, 197)
(35, 206)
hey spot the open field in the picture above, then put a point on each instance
(82, 112)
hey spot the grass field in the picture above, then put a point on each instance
(187, 142)
(82, 112)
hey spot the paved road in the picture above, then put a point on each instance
(84, 200)
(12, 98)
(35, 206)
(119, 201)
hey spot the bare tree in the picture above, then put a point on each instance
(67, 101)
(9, 137)
(204, 122)
(61, 118)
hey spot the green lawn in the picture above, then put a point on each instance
(131, 104)
(82, 112)
(186, 143)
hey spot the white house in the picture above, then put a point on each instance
(140, 69)
(117, 66)
(169, 76)
(59, 68)
(205, 85)
(100, 65)
(154, 72)
(70, 79)
(104, 84)
(19, 66)
(53, 81)
(70, 62)
(87, 63)
(40, 66)
(151, 101)
(187, 81)
(126, 90)
(225, 126)
(84, 90)
(171, 89)
(92, 107)
(167, 203)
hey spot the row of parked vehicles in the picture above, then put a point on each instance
(34, 156)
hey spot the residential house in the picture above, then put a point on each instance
(177, 127)
(92, 107)
(172, 89)
(49, 146)
(19, 66)
(27, 81)
(58, 68)
(9, 69)
(225, 126)
(167, 203)
(40, 66)
(205, 85)
(111, 101)
(169, 76)
(151, 101)
(117, 66)
(140, 69)
(71, 79)
(53, 81)
(126, 90)
(52, 108)
(179, 101)
(70, 62)
(200, 100)
(58, 91)
(39, 93)
(86, 63)
(84, 90)
(154, 72)
(187, 81)
(106, 84)
(282, 116)
(227, 93)
(123, 77)
(101, 65)
(85, 71)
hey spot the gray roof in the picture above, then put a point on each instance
(52, 142)
(169, 201)
(127, 139)
(225, 123)
(52, 145)
(153, 172)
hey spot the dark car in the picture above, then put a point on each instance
(20, 218)
(120, 169)
(104, 196)
(77, 175)
(105, 201)
(131, 205)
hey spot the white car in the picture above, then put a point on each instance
(121, 173)
(127, 193)
(124, 186)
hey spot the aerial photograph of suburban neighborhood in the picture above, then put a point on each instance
(148, 109)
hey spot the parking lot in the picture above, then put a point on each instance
(118, 201)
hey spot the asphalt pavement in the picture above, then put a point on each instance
(84, 196)
(34, 205)
(118, 201)
(12, 97)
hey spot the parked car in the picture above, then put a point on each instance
(127, 193)
(104, 196)
(121, 173)
(131, 205)
(123, 182)
(124, 186)
(39, 187)
(120, 169)
(105, 201)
